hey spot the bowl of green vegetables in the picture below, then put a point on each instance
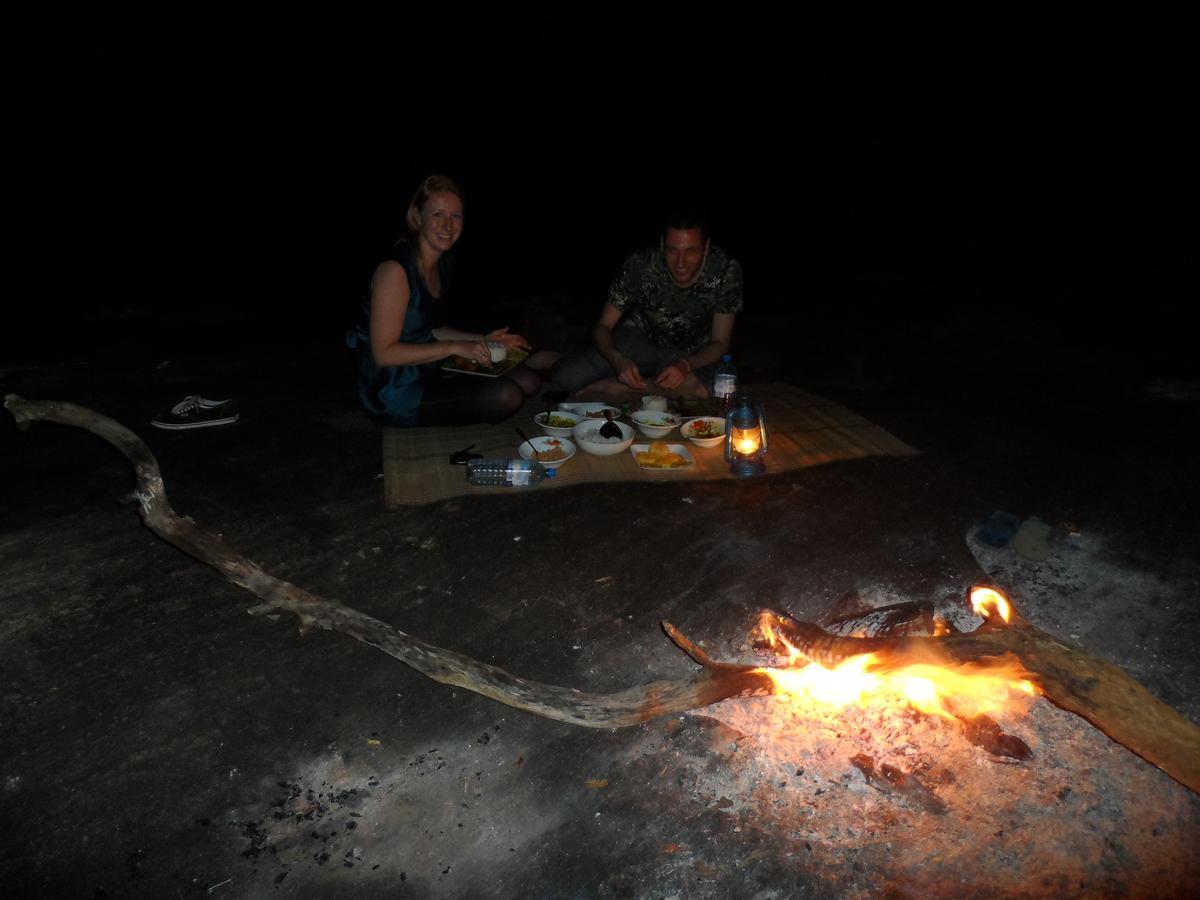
(558, 423)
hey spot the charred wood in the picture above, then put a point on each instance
(984, 732)
(890, 780)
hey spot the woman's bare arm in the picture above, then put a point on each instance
(389, 303)
(448, 333)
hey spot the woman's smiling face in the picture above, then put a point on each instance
(441, 221)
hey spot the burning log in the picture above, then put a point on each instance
(1096, 690)
(1100, 692)
(852, 616)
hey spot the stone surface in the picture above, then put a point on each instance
(158, 741)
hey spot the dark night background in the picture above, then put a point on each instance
(929, 170)
(968, 225)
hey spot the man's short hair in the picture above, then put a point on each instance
(685, 219)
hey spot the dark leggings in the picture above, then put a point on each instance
(470, 399)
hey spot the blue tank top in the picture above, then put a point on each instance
(391, 394)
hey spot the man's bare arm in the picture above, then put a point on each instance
(718, 345)
(675, 374)
(602, 337)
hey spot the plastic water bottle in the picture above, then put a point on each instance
(507, 472)
(725, 383)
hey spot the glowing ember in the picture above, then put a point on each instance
(951, 690)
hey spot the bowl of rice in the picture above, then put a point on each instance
(559, 423)
(551, 452)
(587, 436)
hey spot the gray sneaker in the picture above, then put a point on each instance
(196, 412)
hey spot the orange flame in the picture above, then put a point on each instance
(958, 690)
(745, 440)
(987, 603)
(775, 640)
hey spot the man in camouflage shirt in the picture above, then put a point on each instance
(667, 323)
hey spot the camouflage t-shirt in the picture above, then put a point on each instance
(668, 314)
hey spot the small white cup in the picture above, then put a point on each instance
(654, 403)
(498, 350)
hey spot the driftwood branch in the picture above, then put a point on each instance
(1098, 691)
(714, 682)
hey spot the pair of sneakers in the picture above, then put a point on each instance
(195, 411)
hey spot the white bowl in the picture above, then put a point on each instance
(590, 428)
(689, 427)
(655, 424)
(554, 431)
(545, 443)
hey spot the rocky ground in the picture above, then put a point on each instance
(160, 742)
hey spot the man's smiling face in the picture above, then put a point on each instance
(684, 250)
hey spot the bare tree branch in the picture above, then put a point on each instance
(714, 682)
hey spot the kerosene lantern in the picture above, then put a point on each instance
(745, 436)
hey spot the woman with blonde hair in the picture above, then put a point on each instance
(402, 338)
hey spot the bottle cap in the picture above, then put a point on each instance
(552, 473)
(726, 358)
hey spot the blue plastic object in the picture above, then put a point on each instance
(997, 529)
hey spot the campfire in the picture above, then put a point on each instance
(936, 687)
(894, 713)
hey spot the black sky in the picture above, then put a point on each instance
(260, 162)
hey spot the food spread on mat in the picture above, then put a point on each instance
(659, 456)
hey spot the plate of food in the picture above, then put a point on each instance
(704, 431)
(467, 366)
(659, 456)
(551, 452)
